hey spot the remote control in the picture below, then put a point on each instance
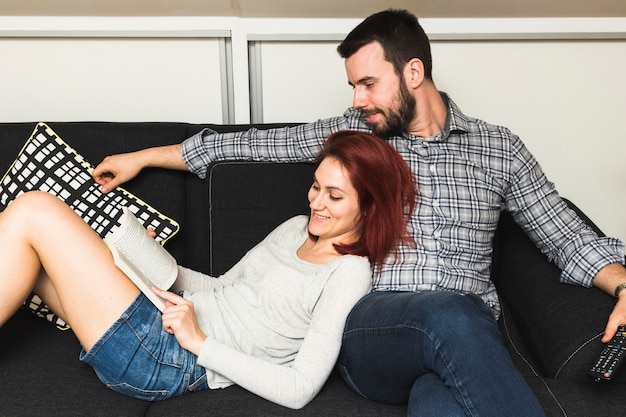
(611, 357)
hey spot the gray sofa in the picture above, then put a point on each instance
(552, 330)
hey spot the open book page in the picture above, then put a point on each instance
(141, 258)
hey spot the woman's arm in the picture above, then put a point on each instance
(296, 385)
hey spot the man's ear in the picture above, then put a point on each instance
(414, 73)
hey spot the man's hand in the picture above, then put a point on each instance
(115, 170)
(616, 319)
(608, 279)
(179, 319)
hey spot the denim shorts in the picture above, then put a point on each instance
(138, 358)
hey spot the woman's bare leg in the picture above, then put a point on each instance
(45, 245)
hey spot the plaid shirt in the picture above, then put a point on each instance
(466, 176)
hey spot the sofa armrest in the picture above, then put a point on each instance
(561, 324)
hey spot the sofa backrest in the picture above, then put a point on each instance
(247, 200)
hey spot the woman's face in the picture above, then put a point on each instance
(334, 204)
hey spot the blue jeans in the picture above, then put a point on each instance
(440, 352)
(138, 358)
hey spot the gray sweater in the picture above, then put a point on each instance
(274, 322)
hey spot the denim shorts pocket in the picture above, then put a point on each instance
(140, 394)
(199, 384)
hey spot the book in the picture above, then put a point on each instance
(141, 258)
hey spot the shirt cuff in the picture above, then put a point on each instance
(590, 258)
(195, 155)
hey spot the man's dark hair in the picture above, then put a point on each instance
(400, 35)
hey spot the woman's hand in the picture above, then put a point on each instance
(179, 319)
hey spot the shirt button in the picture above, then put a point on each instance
(440, 261)
(432, 169)
(437, 234)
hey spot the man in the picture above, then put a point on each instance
(427, 335)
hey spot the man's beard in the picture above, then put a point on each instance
(395, 122)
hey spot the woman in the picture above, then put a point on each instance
(272, 324)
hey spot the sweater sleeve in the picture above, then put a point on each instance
(190, 280)
(297, 384)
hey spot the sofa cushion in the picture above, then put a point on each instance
(335, 399)
(564, 396)
(41, 375)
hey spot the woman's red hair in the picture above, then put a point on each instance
(386, 190)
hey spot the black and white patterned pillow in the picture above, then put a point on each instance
(47, 163)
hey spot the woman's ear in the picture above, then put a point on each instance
(414, 73)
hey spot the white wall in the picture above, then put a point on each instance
(558, 83)
(110, 79)
(301, 87)
(112, 69)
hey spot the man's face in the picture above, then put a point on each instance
(380, 94)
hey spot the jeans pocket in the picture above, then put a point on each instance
(346, 377)
(481, 305)
(140, 394)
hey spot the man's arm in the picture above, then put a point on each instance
(117, 169)
(585, 258)
(608, 279)
(195, 154)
